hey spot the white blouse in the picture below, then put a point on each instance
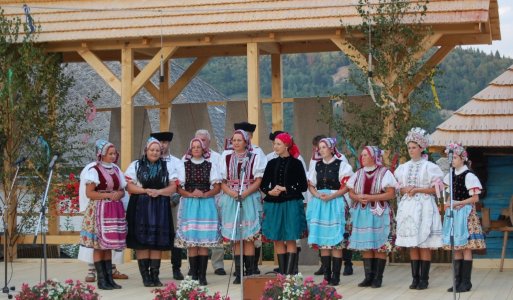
(215, 177)
(387, 182)
(131, 171)
(472, 183)
(258, 165)
(421, 174)
(345, 170)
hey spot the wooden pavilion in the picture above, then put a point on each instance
(96, 31)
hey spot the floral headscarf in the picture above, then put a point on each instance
(418, 136)
(375, 153)
(332, 144)
(246, 138)
(289, 142)
(206, 152)
(457, 149)
(149, 142)
(102, 147)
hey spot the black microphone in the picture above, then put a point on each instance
(20, 160)
(52, 163)
(451, 153)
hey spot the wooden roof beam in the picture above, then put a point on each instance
(271, 48)
(186, 77)
(164, 54)
(101, 69)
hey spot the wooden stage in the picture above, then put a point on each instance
(487, 283)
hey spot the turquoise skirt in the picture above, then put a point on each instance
(326, 221)
(284, 221)
(251, 217)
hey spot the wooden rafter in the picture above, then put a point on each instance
(186, 77)
(101, 69)
(150, 69)
(149, 86)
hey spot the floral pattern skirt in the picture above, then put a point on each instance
(476, 238)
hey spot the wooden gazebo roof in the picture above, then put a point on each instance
(485, 121)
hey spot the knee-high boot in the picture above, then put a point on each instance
(296, 262)
(108, 274)
(193, 265)
(144, 269)
(415, 273)
(425, 265)
(369, 275)
(457, 274)
(379, 269)
(337, 265)
(249, 264)
(237, 269)
(347, 256)
(466, 274)
(155, 271)
(100, 272)
(326, 264)
(255, 268)
(291, 263)
(282, 263)
(202, 272)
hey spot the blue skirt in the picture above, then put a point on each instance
(251, 215)
(198, 223)
(326, 221)
(461, 234)
(370, 231)
(284, 221)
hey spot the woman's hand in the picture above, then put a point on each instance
(362, 198)
(412, 192)
(197, 194)
(152, 192)
(117, 195)
(325, 197)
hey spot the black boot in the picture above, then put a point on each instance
(202, 269)
(194, 267)
(347, 256)
(320, 271)
(466, 274)
(369, 276)
(282, 263)
(249, 264)
(415, 273)
(237, 269)
(457, 274)
(108, 274)
(176, 262)
(326, 263)
(296, 262)
(380, 268)
(291, 263)
(155, 271)
(100, 273)
(144, 269)
(425, 265)
(256, 270)
(337, 265)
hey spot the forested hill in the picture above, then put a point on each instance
(463, 73)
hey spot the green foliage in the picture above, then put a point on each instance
(35, 119)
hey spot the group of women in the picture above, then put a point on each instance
(345, 211)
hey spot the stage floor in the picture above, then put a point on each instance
(488, 284)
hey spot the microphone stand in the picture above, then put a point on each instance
(451, 217)
(41, 221)
(6, 289)
(238, 223)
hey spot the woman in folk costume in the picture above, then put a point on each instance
(371, 188)
(284, 219)
(150, 223)
(326, 211)
(198, 221)
(104, 226)
(241, 160)
(468, 234)
(419, 225)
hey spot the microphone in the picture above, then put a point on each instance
(52, 163)
(20, 160)
(451, 153)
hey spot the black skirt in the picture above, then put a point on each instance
(150, 223)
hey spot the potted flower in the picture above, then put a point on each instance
(52, 289)
(293, 287)
(188, 289)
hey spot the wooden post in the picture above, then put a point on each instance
(277, 92)
(253, 89)
(165, 112)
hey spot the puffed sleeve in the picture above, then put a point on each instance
(180, 171)
(344, 173)
(259, 165)
(312, 174)
(351, 181)
(131, 173)
(343, 158)
(215, 176)
(302, 162)
(223, 172)
(388, 181)
(435, 174)
(91, 176)
(82, 197)
(172, 167)
(122, 179)
(473, 184)
(399, 174)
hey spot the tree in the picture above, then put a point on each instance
(35, 120)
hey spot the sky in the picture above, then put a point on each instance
(505, 45)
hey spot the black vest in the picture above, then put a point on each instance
(327, 175)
